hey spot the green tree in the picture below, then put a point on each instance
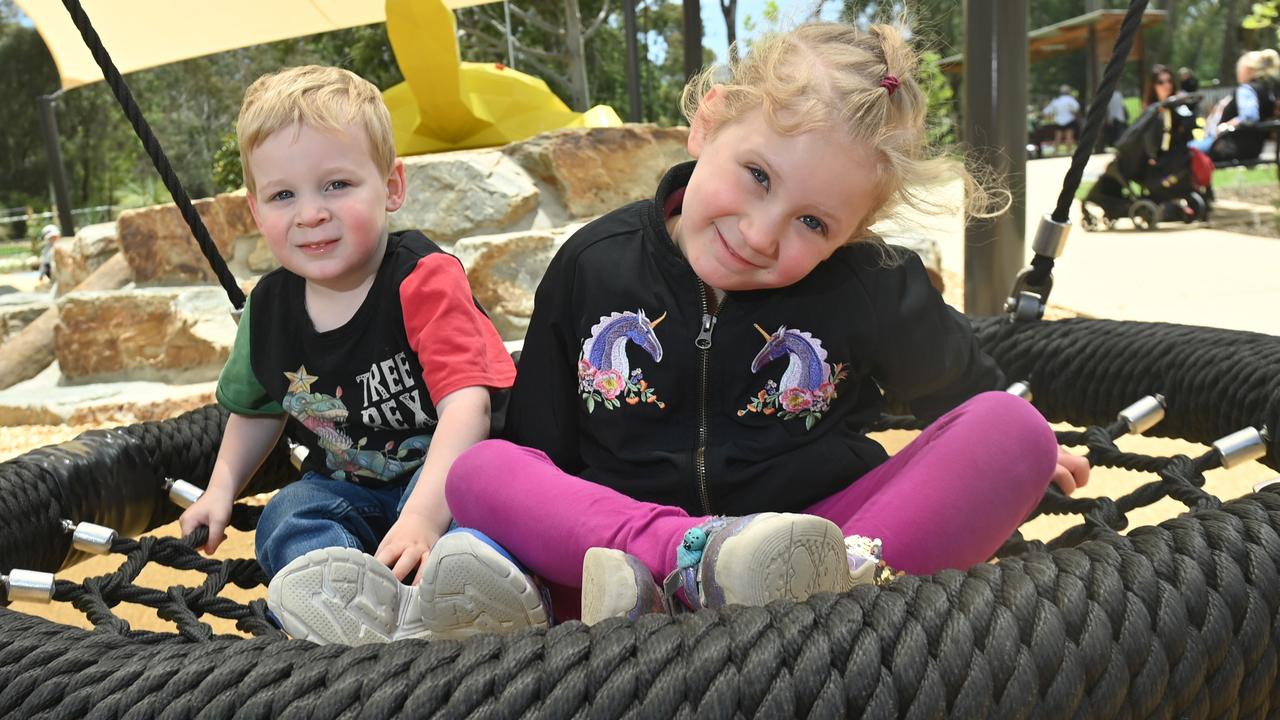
(28, 73)
(540, 50)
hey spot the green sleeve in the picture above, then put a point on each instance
(238, 388)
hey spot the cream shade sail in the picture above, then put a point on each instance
(140, 34)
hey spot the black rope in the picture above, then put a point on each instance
(1042, 265)
(1098, 107)
(113, 478)
(1178, 620)
(152, 145)
(1082, 371)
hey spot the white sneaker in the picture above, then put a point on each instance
(469, 587)
(345, 597)
(616, 584)
(866, 566)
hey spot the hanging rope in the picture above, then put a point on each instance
(152, 145)
(1042, 264)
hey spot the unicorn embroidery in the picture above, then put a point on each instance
(604, 371)
(807, 386)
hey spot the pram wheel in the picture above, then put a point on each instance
(1144, 214)
(1198, 206)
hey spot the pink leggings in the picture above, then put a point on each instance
(947, 500)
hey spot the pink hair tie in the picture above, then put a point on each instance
(890, 83)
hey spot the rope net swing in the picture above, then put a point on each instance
(1179, 619)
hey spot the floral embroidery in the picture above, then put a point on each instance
(605, 375)
(808, 385)
(608, 388)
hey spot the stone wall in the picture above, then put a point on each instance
(504, 212)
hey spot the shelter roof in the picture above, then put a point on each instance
(140, 34)
(1070, 35)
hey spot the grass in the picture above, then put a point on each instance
(15, 248)
(1224, 179)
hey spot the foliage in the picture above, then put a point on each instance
(1263, 14)
(228, 175)
(660, 47)
(941, 117)
(28, 72)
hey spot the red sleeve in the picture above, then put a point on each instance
(456, 344)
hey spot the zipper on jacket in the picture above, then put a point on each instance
(703, 342)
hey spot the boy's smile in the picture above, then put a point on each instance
(762, 209)
(322, 203)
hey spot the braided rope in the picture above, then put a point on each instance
(112, 478)
(158, 158)
(1176, 620)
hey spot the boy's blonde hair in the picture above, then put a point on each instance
(319, 97)
(833, 75)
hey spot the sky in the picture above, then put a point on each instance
(792, 11)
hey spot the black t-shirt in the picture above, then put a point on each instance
(364, 394)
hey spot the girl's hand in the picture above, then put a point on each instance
(1072, 471)
(213, 511)
(407, 545)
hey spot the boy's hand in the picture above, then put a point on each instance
(213, 511)
(1072, 471)
(407, 545)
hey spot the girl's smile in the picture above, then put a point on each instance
(762, 209)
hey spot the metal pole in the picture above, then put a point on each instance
(692, 38)
(57, 171)
(994, 108)
(633, 60)
(511, 50)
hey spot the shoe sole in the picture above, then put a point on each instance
(468, 588)
(612, 586)
(338, 596)
(778, 556)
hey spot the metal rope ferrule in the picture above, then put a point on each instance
(1143, 414)
(182, 493)
(90, 537)
(1051, 237)
(1034, 283)
(28, 585)
(1241, 446)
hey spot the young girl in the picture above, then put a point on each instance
(720, 350)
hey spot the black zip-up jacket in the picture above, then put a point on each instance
(627, 380)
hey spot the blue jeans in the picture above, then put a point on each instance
(320, 512)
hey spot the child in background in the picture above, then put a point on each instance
(373, 343)
(700, 369)
(49, 236)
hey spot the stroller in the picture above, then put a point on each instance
(1173, 187)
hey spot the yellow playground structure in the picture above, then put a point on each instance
(447, 104)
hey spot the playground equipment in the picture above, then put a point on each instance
(1181, 619)
(447, 104)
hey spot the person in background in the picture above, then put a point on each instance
(1253, 100)
(49, 235)
(1063, 110)
(1117, 118)
(1187, 81)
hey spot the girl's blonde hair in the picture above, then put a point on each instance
(322, 97)
(834, 75)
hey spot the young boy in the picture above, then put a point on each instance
(49, 236)
(373, 344)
